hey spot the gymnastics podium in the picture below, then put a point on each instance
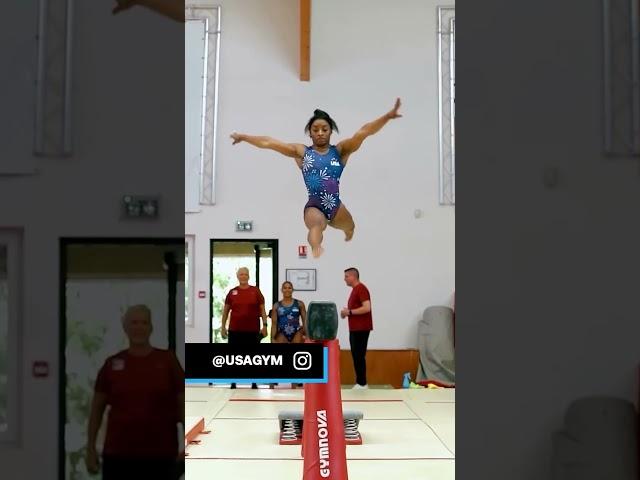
(323, 433)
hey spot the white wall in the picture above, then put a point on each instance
(556, 317)
(364, 54)
(116, 71)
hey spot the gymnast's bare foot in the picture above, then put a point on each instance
(348, 235)
(317, 251)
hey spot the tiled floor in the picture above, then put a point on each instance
(407, 434)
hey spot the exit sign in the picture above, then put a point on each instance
(40, 369)
(244, 226)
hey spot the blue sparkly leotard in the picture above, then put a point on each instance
(321, 175)
(288, 319)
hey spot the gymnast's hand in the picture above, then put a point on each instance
(92, 461)
(123, 5)
(237, 138)
(173, 9)
(393, 113)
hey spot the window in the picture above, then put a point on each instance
(621, 79)
(20, 55)
(189, 276)
(202, 44)
(10, 309)
(446, 104)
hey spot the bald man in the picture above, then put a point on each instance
(246, 305)
(144, 386)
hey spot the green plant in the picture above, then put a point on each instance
(79, 391)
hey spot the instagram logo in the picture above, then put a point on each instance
(302, 360)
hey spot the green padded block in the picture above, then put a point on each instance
(322, 321)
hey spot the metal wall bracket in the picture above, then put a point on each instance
(53, 85)
(446, 104)
(211, 18)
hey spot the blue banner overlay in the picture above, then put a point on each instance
(263, 363)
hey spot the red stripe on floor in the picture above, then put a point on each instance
(301, 401)
(300, 459)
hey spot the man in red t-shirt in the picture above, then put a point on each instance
(246, 305)
(358, 310)
(144, 387)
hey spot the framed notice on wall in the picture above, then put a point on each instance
(302, 278)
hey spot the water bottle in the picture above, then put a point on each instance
(406, 380)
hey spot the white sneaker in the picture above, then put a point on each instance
(357, 386)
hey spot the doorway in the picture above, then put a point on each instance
(99, 280)
(227, 255)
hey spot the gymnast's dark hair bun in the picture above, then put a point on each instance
(321, 115)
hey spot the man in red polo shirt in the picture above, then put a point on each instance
(144, 386)
(246, 305)
(358, 310)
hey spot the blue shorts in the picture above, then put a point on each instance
(328, 212)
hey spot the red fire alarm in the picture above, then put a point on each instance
(40, 369)
(202, 294)
(302, 251)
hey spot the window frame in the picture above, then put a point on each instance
(13, 240)
(446, 104)
(189, 277)
(211, 16)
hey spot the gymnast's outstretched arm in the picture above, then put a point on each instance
(173, 9)
(293, 150)
(350, 145)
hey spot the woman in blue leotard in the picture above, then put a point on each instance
(322, 164)
(288, 318)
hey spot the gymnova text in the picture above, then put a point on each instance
(249, 360)
(323, 443)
